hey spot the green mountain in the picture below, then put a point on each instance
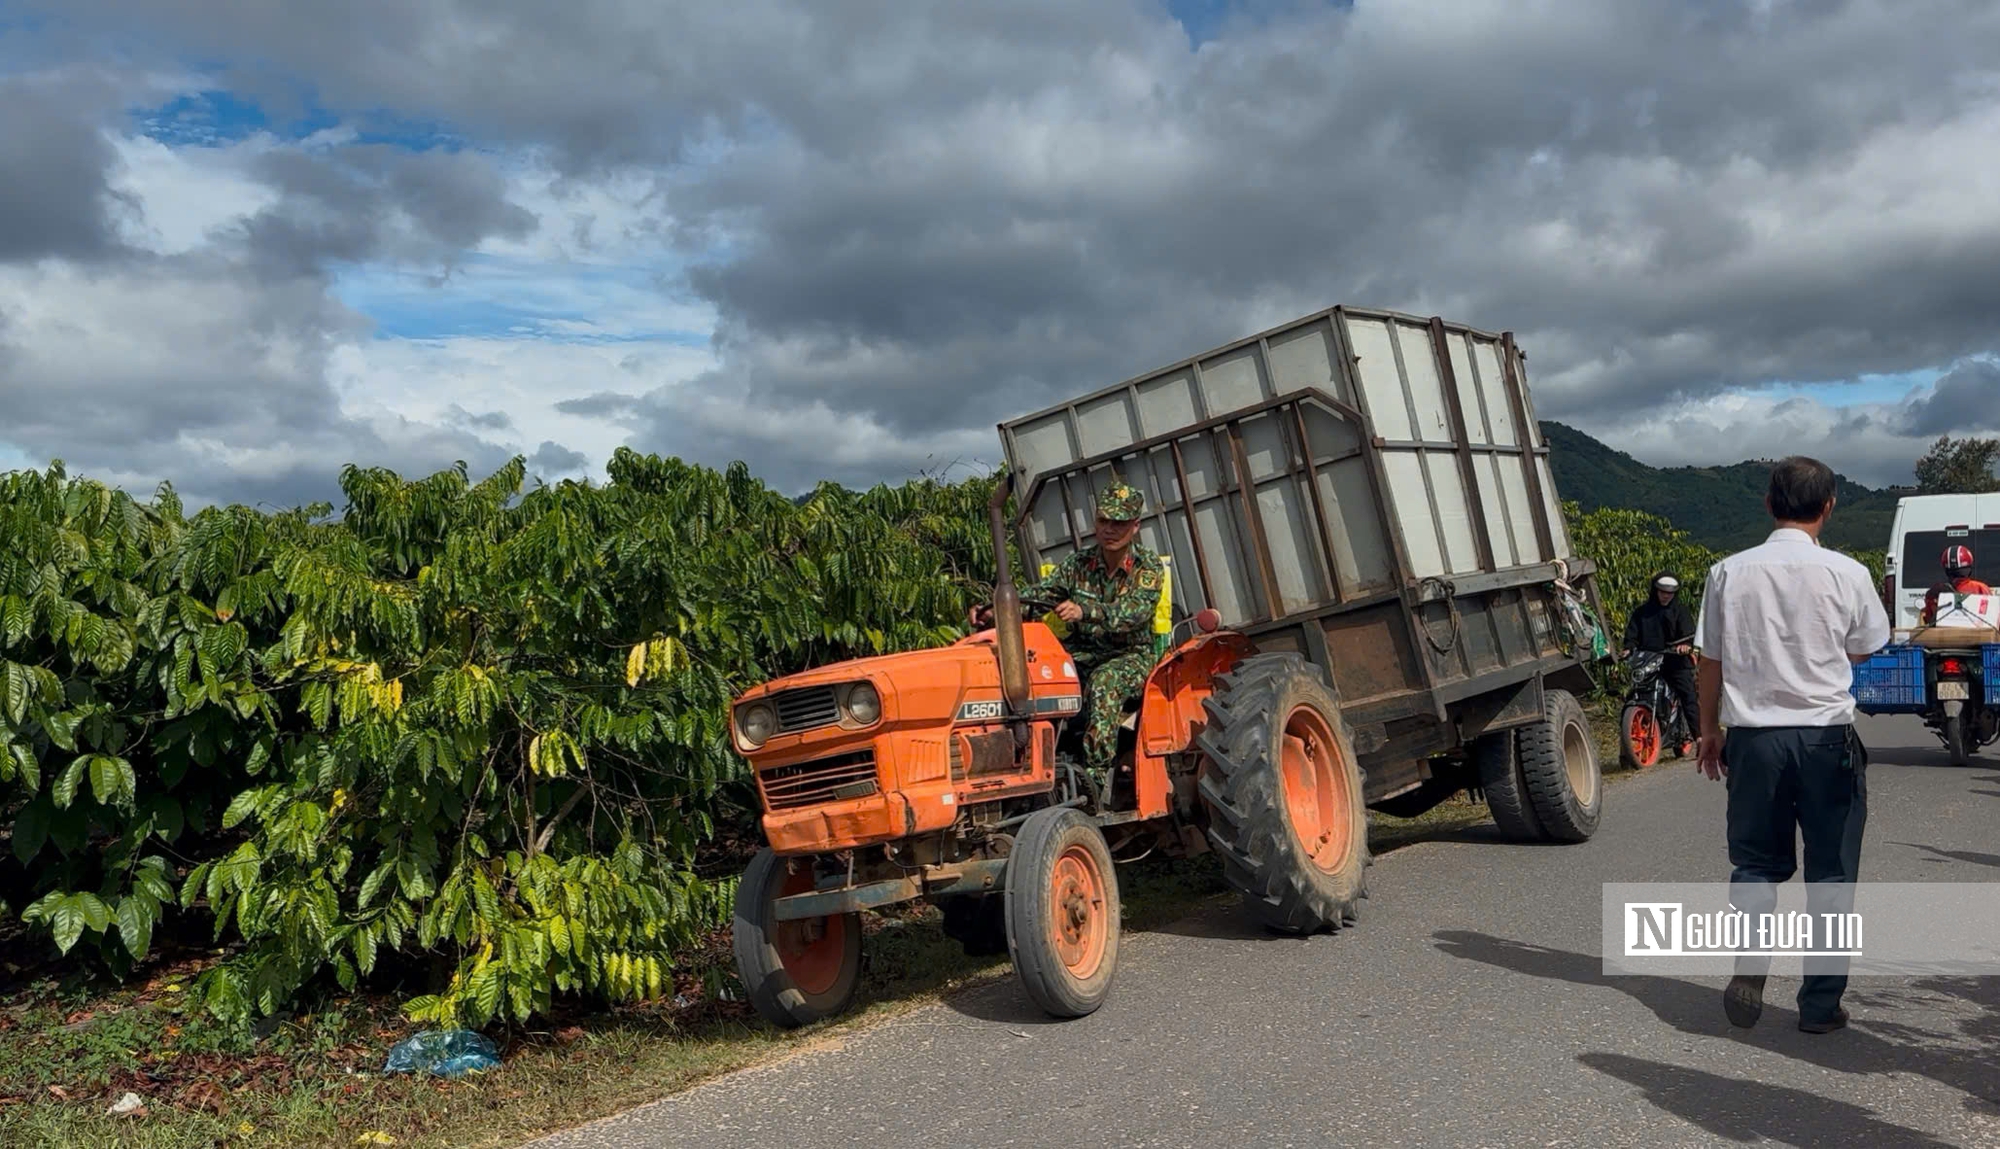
(1719, 507)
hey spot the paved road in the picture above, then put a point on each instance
(1469, 1009)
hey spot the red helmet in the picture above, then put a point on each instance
(1957, 560)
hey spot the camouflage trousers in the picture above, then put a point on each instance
(1108, 685)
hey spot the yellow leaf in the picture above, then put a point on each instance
(339, 800)
(535, 754)
(635, 665)
(245, 1128)
(374, 1137)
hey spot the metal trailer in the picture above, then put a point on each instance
(1371, 491)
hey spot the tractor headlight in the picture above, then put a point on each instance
(862, 704)
(755, 724)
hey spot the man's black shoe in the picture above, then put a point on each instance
(1743, 1000)
(1837, 1021)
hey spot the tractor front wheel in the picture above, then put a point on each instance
(1284, 795)
(1062, 912)
(796, 972)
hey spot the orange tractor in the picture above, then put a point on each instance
(941, 774)
(1389, 648)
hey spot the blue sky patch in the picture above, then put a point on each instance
(515, 297)
(1206, 20)
(216, 117)
(1865, 389)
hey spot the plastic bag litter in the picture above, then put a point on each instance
(443, 1053)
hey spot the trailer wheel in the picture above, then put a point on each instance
(1284, 795)
(795, 972)
(1506, 790)
(1559, 764)
(1062, 913)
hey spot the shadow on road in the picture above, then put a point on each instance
(1746, 1111)
(1003, 1002)
(1226, 919)
(1926, 755)
(1970, 856)
(1487, 834)
(1963, 1058)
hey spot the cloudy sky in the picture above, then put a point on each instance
(245, 242)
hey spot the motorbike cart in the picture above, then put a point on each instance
(1954, 689)
(1652, 719)
(1958, 713)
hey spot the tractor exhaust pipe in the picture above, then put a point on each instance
(1007, 606)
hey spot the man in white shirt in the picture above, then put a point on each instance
(1781, 626)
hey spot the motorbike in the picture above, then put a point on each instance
(1652, 718)
(1958, 713)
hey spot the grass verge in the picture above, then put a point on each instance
(67, 1052)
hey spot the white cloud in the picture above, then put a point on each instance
(1875, 443)
(423, 379)
(902, 226)
(187, 194)
(184, 364)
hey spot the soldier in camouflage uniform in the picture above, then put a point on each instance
(1107, 594)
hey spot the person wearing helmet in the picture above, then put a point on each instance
(1664, 623)
(1108, 594)
(1958, 580)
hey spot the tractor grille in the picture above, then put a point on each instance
(805, 709)
(826, 780)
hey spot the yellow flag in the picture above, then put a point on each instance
(1163, 614)
(1054, 620)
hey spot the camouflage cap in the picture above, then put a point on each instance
(1120, 503)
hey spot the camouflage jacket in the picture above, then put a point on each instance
(1118, 605)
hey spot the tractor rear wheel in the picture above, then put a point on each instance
(796, 972)
(1284, 795)
(1559, 765)
(1062, 912)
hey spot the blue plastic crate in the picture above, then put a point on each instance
(1991, 653)
(1892, 681)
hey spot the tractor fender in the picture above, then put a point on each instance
(1171, 711)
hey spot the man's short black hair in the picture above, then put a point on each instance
(1801, 488)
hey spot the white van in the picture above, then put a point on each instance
(1924, 526)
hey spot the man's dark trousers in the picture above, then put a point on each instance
(1678, 671)
(1808, 781)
